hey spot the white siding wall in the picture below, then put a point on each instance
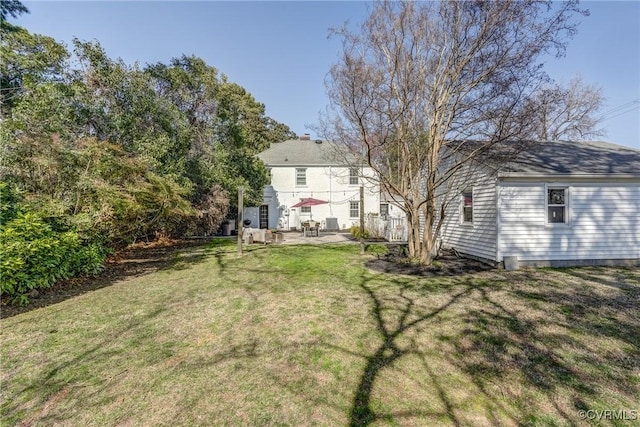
(479, 238)
(330, 183)
(603, 222)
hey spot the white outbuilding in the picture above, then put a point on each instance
(556, 203)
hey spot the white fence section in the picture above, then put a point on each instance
(396, 230)
(392, 229)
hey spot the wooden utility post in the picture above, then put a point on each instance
(361, 220)
(240, 227)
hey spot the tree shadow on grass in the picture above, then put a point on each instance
(389, 351)
(501, 346)
(515, 332)
(127, 264)
(507, 327)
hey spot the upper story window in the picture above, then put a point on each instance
(467, 206)
(270, 175)
(354, 209)
(556, 205)
(301, 176)
(353, 176)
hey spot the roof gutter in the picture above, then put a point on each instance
(558, 176)
(284, 164)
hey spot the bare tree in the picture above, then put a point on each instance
(421, 78)
(570, 113)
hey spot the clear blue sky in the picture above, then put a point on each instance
(279, 51)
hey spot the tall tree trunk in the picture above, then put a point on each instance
(428, 237)
(414, 239)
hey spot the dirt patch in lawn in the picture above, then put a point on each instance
(135, 260)
(448, 263)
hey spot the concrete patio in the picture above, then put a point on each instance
(297, 238)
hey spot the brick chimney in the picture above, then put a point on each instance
(305, 137)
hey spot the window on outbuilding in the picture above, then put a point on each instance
(467, 206)
(301, 176)
(556, 205)
(354, 209)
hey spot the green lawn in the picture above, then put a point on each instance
(306, 335)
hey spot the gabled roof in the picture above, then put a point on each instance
(301, 152)
(557, 159)
(575, 158)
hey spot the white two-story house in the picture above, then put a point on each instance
(301, 169)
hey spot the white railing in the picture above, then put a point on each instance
(396, 230)
(392, 229)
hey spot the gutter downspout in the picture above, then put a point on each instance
(330, 192)
(498, 254)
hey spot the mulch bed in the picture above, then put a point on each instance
(448, 263)
(135, 260)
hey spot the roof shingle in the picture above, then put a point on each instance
(300, 152)
(576, 158)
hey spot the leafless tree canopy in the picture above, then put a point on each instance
(419, 76)
(565, 113)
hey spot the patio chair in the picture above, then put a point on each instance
(314, 226)
(310, 227)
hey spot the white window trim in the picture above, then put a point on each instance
(567, 204)
(354, 201)
(305, 178)
(357, 176)
(462, 221)
(388, 213)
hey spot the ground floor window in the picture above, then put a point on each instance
(467, 206)
(384, 210)
(556, 205)
(305, 209)
(354, 209)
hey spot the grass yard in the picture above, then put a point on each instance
(306, 335)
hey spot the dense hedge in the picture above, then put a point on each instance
(96, 154)
(34, 256)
